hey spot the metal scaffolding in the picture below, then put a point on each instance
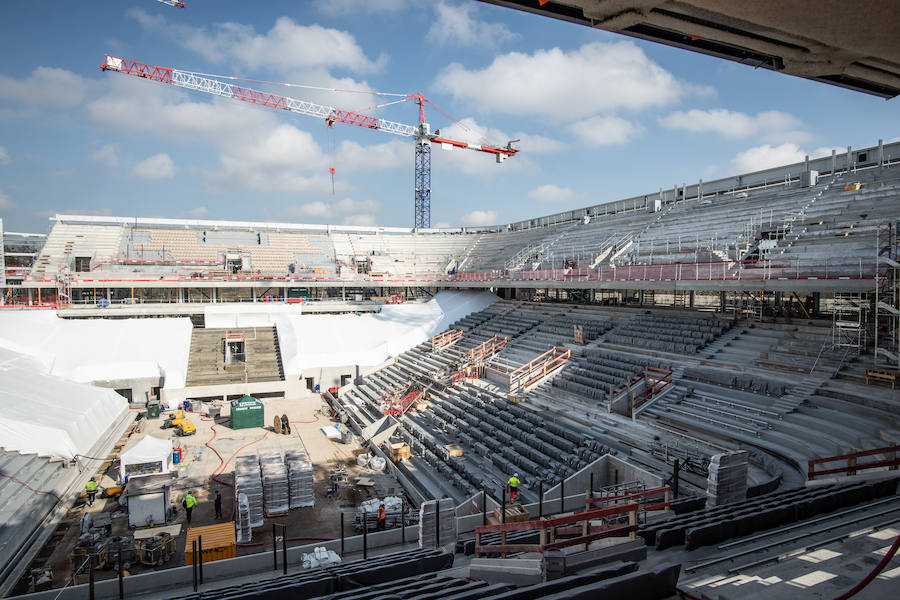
(849, 322)
(887, 296)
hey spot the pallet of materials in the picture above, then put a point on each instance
(515, 513)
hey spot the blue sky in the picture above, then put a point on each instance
(600, 116)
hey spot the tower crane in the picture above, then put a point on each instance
(420, 133)
(173, 3)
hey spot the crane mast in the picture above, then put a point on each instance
(420, 133)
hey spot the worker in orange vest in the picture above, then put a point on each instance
(382, 514)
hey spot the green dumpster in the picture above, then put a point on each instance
(153, 410)
(247, 412)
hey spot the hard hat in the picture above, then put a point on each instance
(190, 491)
(515, 474)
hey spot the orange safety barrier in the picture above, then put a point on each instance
(445, 339)
(640, 497)
(852, 465)
(548, 530)
(485, 349)
(540, 367)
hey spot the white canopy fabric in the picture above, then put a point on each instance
(87, 350)
(148, 450)
(311, 341)
(49, 416)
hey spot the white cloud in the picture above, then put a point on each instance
(766, 156)
(359, 220)
(459, 25)
(107, 155)
(733, 124)
(442, 225)
(313, 209)
(46, 86)
(158, 166)
(597, 77)
(538, 144)
(605, 131)
(826, 151)
(6, 202)
(377, 157)
(551, 193)
(334, 8)
(4, 156)
(472, 162)
(286, 47)
(195, 213)
(479, 217)
(319, 209)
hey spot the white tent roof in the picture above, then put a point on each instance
(310, 341)
(149, 449)
(87, 350)
(50, 416)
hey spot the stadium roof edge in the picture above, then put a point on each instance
(859, 158)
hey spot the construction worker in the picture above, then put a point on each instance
(513, 485)
(91, 488)
(382, 517)
(189, 502)
(218, 505)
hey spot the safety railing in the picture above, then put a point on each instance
(750, 270)
(445, 339)
(548, 529)
(540, 367)
(485, 349)
(853, 466)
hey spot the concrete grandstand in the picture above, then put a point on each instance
(613, 352)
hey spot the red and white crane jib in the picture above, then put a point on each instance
(194, 81)
(175, 3)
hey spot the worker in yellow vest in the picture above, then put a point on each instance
(91, 488)
(513, 485)
(189, 502)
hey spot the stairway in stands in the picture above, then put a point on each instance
(206, 360)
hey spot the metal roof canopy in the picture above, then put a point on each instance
(849, 44)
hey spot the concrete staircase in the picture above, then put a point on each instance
(206, 360)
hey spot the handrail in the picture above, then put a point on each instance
(852, 466)
(547, 530)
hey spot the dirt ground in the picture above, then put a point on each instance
(208, 465)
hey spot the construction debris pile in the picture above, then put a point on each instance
(394, 513)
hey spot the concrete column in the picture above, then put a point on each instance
(778, 300)
(641, 297)
(880, 153)
(849, 158)
(253, 293)
(833, 160)
(691, 299)
(108, 295)
(722, 302)
(700, 190)
(817, 298)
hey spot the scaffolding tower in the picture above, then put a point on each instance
(848, 329)
(887, 296)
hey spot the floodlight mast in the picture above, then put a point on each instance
(420, 133)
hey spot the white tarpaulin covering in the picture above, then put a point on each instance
(49, 416)
(88, 350)
(313, 341)
(148, 450)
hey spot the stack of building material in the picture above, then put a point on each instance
(727, 480)
(433, 534)
(242, 523)
(247, 481)
(394, 513)
(275, 483)
(300, 479)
